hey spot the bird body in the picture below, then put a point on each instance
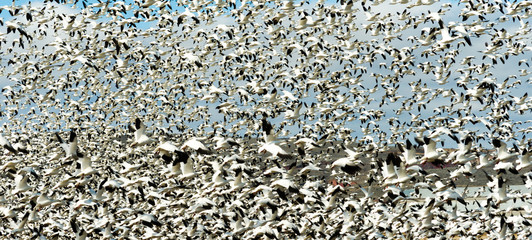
(196, 145)
(140, 135)
(6, 144)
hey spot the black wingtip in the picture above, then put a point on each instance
(266, 126)
(181, 156)
(419, 141)
(58, 137)
(167, 159)
(72, 136)
(392, 158)
(468, 40)
(400, 146)
(497, 143)
(468, 140)
(131, 128)
(137, 123)
(453, 137)
(74, 226)
(23, 150)
(389, 159)
(9, 148)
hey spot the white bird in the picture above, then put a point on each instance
(388, 169)
(127, 168)
(140, 134)
(86, 167)
(44, 201)
(196, 145)
(409, 153)
(293, 114)
(484, 161)
(21, 184)
(70, 147)
(400, 170)
(275, 150)
(167, 148)
(187, 169)
(524, 160)
(500, 191)
(350, 164)
(224, 143)
(430, 154)
(502, 151)
(21, 226)
(307, 144)
(6, 144)
(268, 131)
(503, 167)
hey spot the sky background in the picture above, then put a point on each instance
(370, 77)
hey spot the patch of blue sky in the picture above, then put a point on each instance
(368, 82)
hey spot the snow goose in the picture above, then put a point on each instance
(237, 182)
(127, 168)
(21, 184)
(187, 167)
(349, 164)
(10, 166)
(466, 169)
(459, 157)
(400, 170)
(148, 220)
(86, 167)
(44, 200)
(70, 148)
(503, 167)
(175, 162)
(21, 226)
(6, 144)
(431, 154)
(81, 234)
(484, 161)
(502, 151)
(500, 191)
(388, 170)
(224, 143)
(140, 134)
(524, 160)
(166, 149)
(20, 145)
(275, 150)
(293, 114)
(268, 131)
(448, 195)
(194, 144)
(307, 144)
(409, 153)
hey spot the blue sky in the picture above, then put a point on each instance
(499, 73)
